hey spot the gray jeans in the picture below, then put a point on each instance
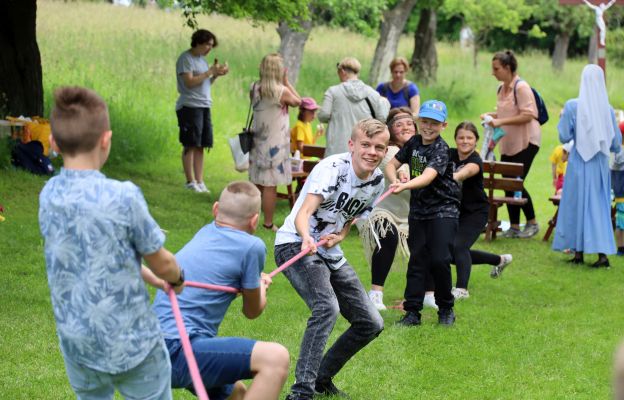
(328, 292)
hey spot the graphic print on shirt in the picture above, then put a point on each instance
(418, 163)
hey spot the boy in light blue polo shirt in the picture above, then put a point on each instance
(95, 231)
(225, 253)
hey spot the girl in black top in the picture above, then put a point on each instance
(473, 211)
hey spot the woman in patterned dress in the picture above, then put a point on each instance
(269, 158)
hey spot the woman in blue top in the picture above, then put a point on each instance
(584, 220)
(399, 91)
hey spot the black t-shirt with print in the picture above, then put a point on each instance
(439, 199)
(473, 197)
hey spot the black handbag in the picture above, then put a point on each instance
(241, 144)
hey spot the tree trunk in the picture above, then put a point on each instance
(394, 21)
(21, 85)
(425, 57)
(592, 49)
(291, 47)
(562, 40)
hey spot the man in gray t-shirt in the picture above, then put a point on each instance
(194, 79)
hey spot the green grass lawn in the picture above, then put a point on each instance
(544, 330)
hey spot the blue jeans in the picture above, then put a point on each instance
(221, 361)
(150, 380)
(328, 292)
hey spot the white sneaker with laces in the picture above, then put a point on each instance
(201, 186)
(192, 186)
(429, 301)
(376, 297)
(460, 293)
(497, 270)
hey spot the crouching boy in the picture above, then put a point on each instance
(225, 253)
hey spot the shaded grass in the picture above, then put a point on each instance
(544, 330)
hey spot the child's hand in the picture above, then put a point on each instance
(332, 239)
(266, 279)
(224, 69)
(308, 244)
(320, 130)
(397, 187)
(403, 177)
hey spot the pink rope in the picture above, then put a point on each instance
(186, 343)
(208, 286)
(200, 390)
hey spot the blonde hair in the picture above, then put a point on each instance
(399, 61)
(370, 127)
(350, 64)
(78, 119)
(271, 75)
(238, 203)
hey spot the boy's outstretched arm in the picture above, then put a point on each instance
(164, 265)
(254, 300)
(424, 179)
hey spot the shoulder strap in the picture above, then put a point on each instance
(370, 107)
(249, 114)
(406, 93)
(384, 89)
(515, 95)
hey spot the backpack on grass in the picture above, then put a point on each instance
(542, 111)
(29, 156)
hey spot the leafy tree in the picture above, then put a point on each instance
(484, 15)
(564, 21)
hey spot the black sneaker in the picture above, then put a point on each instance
(446, 317)
(295, 396)
(410, 319)
(327, 388)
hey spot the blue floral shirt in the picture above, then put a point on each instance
(95, 230)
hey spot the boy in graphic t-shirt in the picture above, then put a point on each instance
(434, 211)
(339, 189)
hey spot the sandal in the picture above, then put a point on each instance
(272, 227)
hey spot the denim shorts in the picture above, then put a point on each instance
(195, 127)
(150, 380)
(221, 360)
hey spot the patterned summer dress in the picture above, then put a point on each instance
(269, 158)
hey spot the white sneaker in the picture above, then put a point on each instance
(460, 293)
(376, 297)
(192, 186)
(429, 301)
(201, 188)
(497, 270)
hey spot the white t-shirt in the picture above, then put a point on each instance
(345, 197)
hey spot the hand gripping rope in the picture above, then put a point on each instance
(200, 390)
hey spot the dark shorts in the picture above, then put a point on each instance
(195, 127)
(221, 361)
(617, 183)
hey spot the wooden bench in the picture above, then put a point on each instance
(299, 177)
(495, 179)
(552, 223)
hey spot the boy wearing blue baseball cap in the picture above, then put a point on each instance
(434, 212)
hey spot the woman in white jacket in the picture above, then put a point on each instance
(346, 103)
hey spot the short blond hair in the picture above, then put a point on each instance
(350, 64)
(78, 119)
(238, 203)
(370, 127)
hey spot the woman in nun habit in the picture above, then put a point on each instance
(584, 220)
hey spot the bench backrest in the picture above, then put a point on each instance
(310, 150)
(493, 179)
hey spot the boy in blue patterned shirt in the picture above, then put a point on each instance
(96, 230)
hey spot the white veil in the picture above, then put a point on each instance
(594, 122)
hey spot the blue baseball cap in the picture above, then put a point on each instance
(433, 109)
